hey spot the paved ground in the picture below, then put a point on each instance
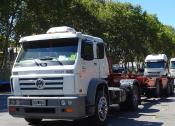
(152, 112)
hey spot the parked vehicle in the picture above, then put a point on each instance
(117, 69)
(172, 69)
(156, 80)
(65, 74)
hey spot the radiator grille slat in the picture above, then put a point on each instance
(53, 83)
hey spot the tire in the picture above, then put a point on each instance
(168, 90)
(148, 94)
(157, 91)
(101, 109)
(172, 87)
(33, 121)
(132, 100)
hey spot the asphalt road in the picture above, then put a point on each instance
(152, 112)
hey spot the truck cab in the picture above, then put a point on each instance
(53, 75)
(156, 65)
(172, 67)
(61, 60)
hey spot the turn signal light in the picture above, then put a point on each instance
(69, 109)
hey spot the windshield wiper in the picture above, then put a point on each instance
(51, 58)
(36, 62)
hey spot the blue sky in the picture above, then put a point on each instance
(164, 9)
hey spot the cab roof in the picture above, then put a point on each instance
(172, 59)
(156, 57)
(60, 33)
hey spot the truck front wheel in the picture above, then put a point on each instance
(33, 121)
(101, 108)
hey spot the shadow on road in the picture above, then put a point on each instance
(112, 121)
(125, 118)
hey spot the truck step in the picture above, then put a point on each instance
(114, 105)
(114, 89)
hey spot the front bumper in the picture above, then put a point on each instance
(52, 108)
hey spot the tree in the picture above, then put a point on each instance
(9, 12)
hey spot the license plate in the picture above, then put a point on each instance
(38, 102)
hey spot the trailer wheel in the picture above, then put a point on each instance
(172, 87)
(33, 121)
(101, 108)
(157, 90)
(168, 90)
(132, 100)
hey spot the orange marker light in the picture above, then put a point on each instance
(69, 109)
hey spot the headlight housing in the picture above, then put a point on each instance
(63, 102)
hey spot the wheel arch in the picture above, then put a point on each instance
(94, 86)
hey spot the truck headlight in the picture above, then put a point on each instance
(63, 102)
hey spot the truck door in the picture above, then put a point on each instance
(89, 64)
(100, 52)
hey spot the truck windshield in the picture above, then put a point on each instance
(160, 64)
(172, 65)
(52, 52)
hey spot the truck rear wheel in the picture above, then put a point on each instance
(33, 121)
(101, 108)
(132, 100)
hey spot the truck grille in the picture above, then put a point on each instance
(55, 83)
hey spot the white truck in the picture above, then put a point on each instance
(65, 74)
(156, 79)
(156, 65)
(172, 68)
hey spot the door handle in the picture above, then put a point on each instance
(95, 64)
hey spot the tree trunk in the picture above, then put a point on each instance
(132, 66)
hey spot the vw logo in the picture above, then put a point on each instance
(40, 84)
